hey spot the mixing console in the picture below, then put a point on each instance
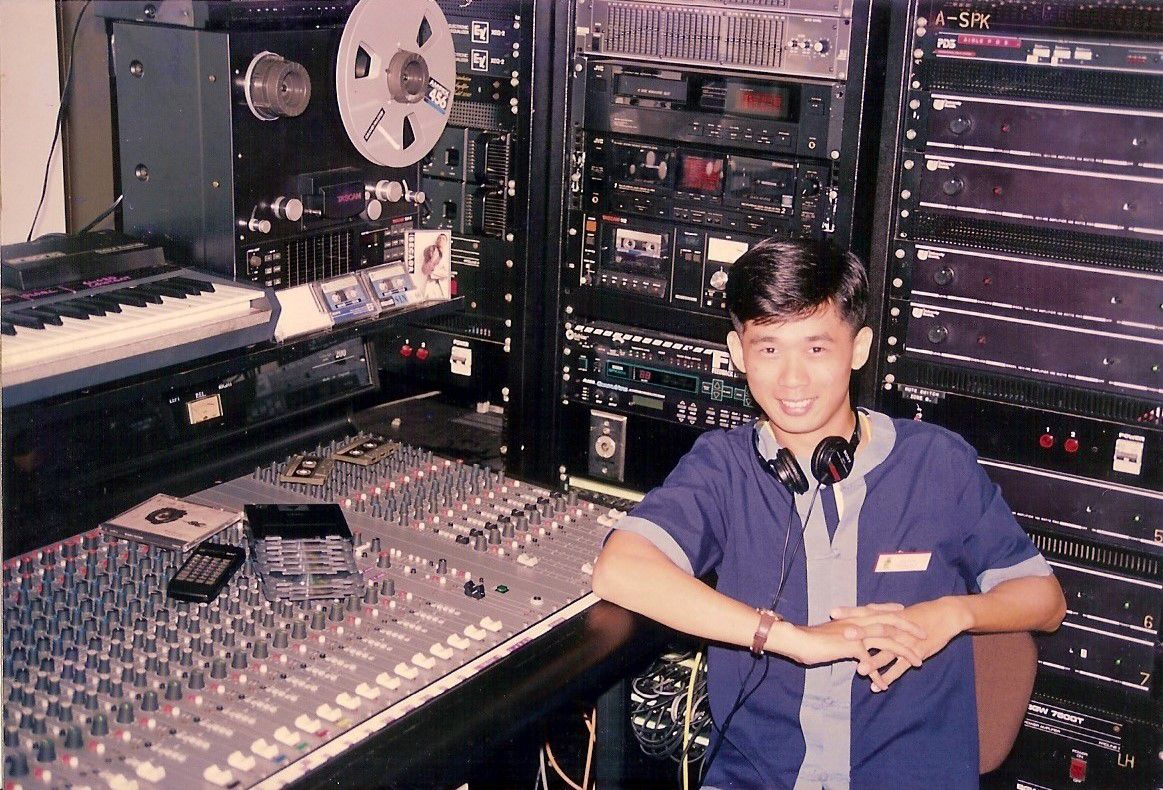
(107, 683)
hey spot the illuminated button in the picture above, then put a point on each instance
(267, 751)
(1046, 441)
(1070, 445)
(405, 350)
(285, 736)
(243, 762)
(218, 776)
(307, 724)
(422, 353)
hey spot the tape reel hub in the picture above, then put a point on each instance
(276, 87)
(407, 77)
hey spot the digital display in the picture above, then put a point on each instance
(662, 378)
(701, 174)
(759, 101)
(649, 403)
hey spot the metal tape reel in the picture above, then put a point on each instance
(394, 77)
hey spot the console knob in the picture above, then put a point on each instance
(256, 225)
(943, 276)
(390, 191)
(952, 186)
(288, 208)
(373, 210)
(719, 280)
(960, 124)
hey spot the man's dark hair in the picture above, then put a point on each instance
(779, 280)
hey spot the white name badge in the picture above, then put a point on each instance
(903, 562)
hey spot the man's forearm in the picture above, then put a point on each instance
(1032, 603)
(632, 573)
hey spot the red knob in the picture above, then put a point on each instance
(405, 350)
(422, 353)
(1046, 441)
(1070, 445)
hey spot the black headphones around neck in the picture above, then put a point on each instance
(832, 461)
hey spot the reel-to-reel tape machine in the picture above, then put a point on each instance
(278, 142)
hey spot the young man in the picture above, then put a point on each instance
(888, 510)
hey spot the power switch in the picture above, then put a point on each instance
(1078, 769)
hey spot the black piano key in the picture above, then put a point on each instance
(71, 310)
(7, 328)
(147, 292)
(104, 302)
(129, 296)
(166, 289)
(46, 314)
(88, 305)
(205, 286)
(176, 282)
(26, 320)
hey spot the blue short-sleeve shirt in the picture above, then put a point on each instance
(915, 520)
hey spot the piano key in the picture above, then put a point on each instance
(167, 289)
(147, 293)
(69, 309)
(88, 305)
(126, 296)
(26, 320)
(45, 313)
(7, 328)
(189, 289)
(108, 303)
(205, 286)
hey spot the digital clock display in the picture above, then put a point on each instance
(760, 101)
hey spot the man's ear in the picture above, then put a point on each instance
(861, 347)
(735, 346)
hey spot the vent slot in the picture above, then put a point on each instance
(1064, 245)
(1057, 547)
(1102, 88)
(1023, 392)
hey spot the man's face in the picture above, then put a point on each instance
(798, 372)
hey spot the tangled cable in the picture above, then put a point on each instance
(668, 709)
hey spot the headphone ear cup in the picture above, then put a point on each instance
(787, 471)
(832, 460)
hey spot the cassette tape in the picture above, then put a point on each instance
(312, 470)
(365, 451)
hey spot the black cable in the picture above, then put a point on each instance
(65, 93)
(785, 564)
(113, 207)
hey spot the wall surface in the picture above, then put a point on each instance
(29, 100)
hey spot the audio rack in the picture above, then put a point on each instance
(1019, 267)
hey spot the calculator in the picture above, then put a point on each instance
(205, 572)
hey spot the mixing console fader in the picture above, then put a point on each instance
(107, 683)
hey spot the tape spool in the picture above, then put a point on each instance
(394, 77)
